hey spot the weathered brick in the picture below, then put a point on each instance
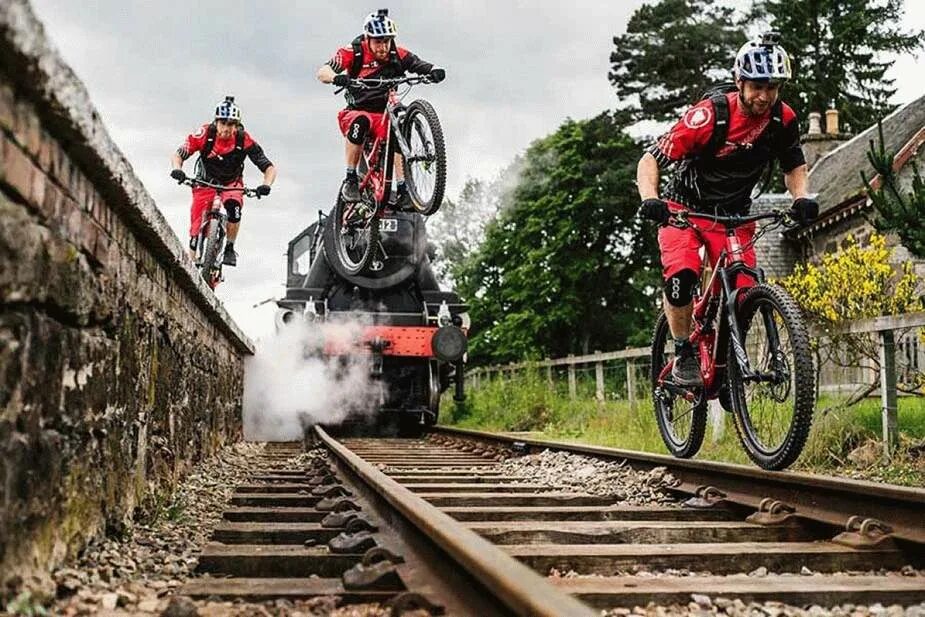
(7, 108)
(17, 169)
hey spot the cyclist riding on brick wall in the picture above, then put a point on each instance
(222, 146)
(373, 54)
(719, 150)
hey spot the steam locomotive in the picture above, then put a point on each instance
(412, 332)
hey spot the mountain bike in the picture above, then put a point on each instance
(211, 239)
(352, 242)
(754, 352)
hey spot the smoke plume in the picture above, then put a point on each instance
(289, 383)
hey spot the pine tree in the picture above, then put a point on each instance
(841, 52)
(672, 51)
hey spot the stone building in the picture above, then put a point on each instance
(837, 161)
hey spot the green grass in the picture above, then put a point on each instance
(525, 403)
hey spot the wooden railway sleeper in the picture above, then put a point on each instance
(771, 512)
(705, 497)
(866, 533)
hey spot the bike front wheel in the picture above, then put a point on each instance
(774, 406)
(682, 421)
(425, 167)
(351, 240)
(212, 241)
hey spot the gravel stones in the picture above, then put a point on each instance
(137, 574)
(578, 473)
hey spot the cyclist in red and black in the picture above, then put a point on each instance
(222, 146)
(371, 55)
(719, 150)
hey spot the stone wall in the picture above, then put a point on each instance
(118, 366)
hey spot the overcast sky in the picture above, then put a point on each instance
(155, 71)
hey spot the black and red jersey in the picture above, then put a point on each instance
(400, 62)
(724, 181)
(225, 162)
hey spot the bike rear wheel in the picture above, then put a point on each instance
(425, 169)
(213, 240)
(351, 240)
(774, 414)
(681, 422)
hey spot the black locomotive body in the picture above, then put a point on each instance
(413, 333)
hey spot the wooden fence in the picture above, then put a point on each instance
(624, 374)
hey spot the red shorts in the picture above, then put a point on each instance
(376, 124)
(680, 248)
(202, 201)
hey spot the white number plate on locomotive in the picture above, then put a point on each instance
(388, 226)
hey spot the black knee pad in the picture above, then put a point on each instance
(356, 132)
(679, 288)
(233, 208)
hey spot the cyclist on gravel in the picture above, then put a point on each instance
(720, 148)
(222, 146)
(371, 55)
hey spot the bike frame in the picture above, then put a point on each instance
(717, 306)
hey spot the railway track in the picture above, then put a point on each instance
(441, 524)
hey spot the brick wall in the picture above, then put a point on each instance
(118, 367)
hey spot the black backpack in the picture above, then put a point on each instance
(717, 97)
(357, 64)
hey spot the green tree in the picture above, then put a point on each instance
(898, 211)
(841, 51)
(565, 266)
(672, 51)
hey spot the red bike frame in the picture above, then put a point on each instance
(379, 179)
(712, 341)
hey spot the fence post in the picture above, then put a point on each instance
(888, 392)
(572, 387)
(631, 381)
(599, 377)
(549, 382)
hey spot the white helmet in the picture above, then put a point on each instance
(378, 25)
(227, 110)
(763, 60)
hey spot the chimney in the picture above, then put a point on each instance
(815, 123)
(817, 143)
(831, 122)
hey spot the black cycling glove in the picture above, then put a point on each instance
(437, 74)
(263, 190)
(804, 210)
(341, 80)
(655, 210)
(178, 174)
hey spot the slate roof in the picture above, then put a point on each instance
(836, 176)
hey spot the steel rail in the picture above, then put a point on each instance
(818, 498)
(519, 588)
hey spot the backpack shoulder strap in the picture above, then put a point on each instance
(210, 140)
(720, 124)
(777, 118)
(239, 138)
(357, 64)
(394, 60)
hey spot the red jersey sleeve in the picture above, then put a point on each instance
(248, 141)
(687, 137)
(342, 59)
(193, 142)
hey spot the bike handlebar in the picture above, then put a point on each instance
(194, 182)
(680, 219)
(385, 84)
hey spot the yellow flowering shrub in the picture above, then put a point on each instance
(855, 283)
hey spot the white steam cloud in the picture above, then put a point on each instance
(289, 383)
